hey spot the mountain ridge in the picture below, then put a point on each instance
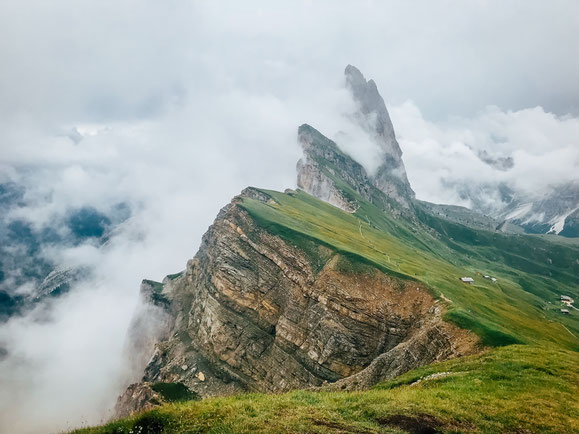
(341, 284)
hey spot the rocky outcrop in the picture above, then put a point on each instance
(151, 323)
(137, 397)
(324, 166)
(334, 177)
(251, 313)
(327, 173)
(434, 340)
(373, 117)
(372, 114)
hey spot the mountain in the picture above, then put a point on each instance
(571, 225)
(259, 299)
(543, 214)
(554, 213)
(29, 276)
(373, 116)
(351, 283)
(324, 165)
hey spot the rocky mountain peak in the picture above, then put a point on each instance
(372, 115)
(325, 169)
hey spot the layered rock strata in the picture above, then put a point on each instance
(250, 313)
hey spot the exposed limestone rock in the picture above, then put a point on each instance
(150, 324)
(435, 340)
(372, 114)
(250, 313)
(373, 117)
(328, 173)
(254, 193)
(314, 178)
(332, 176)
(137, 397)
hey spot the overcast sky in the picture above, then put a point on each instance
(110, 60)
(176, 106)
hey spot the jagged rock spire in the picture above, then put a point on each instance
(325, 169)
(372, 115)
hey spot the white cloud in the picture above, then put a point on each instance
(545, 149)
(180, 105)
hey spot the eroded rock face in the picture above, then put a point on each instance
(373, 117)
(250, 313)
(327, 173)
(151, 323)
(372, 114)
(137, 397)
(322, 164)
(433, 341)
(330, 175)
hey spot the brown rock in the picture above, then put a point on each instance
(250, 313)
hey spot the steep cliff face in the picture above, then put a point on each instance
(334, 177)
(373, 117)
(252, 312)
(390, 178)
(151, 323)
(324, 166)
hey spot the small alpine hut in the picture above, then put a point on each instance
(468, 280)
(566, 299)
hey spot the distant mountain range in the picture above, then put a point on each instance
(556, 212)
(27, 274)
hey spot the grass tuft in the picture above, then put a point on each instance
(516, 388)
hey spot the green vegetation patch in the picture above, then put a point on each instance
(346, 265)
(175, 276)
(490, 336)
(516, 388)
(157, 286)
(174, 392)
(519, 308)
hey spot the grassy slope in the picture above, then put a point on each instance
(515, 387)
(507, 389)
(515, 309)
